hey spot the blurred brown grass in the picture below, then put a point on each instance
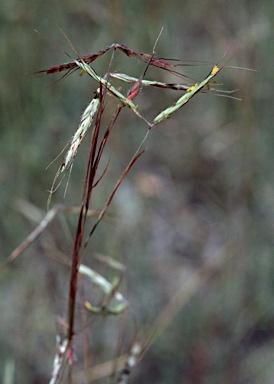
(201, 194)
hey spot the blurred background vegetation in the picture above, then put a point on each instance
(197, 207)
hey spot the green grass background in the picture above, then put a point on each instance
(203, 190)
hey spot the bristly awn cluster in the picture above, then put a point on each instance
(83, 63)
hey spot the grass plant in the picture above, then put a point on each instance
(108, 300)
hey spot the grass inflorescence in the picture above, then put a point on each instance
(112, 301)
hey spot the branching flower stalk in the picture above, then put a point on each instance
(93, 162)
(113, 302)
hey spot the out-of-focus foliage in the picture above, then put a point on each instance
(202, 192)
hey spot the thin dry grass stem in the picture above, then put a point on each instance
(104, 210)
(25, 208)
(119, 345)
(187, 290)
(84, 331)
(32, 236)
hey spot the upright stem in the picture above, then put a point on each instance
(74, 276)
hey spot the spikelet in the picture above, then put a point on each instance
(77, 138)
(85, 123)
